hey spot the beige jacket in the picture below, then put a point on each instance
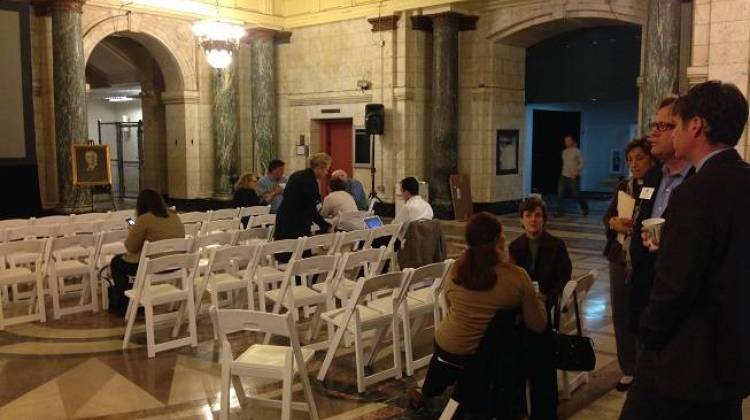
(151, 228)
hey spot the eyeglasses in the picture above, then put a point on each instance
(661, 126)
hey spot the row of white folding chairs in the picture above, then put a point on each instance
(223, 214)
(68, 228)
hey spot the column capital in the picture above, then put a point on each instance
(277, 36)
(461, 21)
(384, 23)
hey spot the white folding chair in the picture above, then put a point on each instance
(52, 220)
(111, 243)
(72, 257)
(28, 232)
(324, 244)
(147, 294)
(293, 297)
(224, 225)
(252, 236)
(262, 220)
(390, 231)
(10, 224)
(254, 211)
(420, 304)
(113, 224)
(12, 275)
(192, 230)
(371, 207)
(343, 283)
(354, 240)
(75, 228)
(263, 360)
(352, 220)
(230, 270)
(90, 217)
(357, 318)
(571, 321)
(223, 214)
(193, 217)
(121, 214)
(269, 273)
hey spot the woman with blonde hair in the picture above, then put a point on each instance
(244, 191)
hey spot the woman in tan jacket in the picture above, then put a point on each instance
(154, 222)
(481, 282)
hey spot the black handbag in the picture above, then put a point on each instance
(574, 352)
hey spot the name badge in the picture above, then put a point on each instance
(646, 193)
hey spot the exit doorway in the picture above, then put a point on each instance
(549, 130)
(336, 139)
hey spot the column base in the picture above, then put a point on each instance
(442, 209)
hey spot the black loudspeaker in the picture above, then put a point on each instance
(374, 118)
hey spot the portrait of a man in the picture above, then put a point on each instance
(91, 165)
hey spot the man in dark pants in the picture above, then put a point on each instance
(695, 360)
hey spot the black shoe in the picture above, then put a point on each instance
(623, 386)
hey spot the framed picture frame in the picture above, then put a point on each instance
(506, 152)
(91, 165)
(615, 162)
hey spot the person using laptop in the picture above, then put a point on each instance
(415, 207)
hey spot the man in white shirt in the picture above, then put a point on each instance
(415, 207)
(572, 164)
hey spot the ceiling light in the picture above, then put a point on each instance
(218, 39)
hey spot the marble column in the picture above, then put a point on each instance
(444, 137)
(661, 56)
(225, 129)
(69, 80)
(263, 91)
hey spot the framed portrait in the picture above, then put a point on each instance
(615, 162)
(506, 160)
(91, 165)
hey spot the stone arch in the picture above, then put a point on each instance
(172, 48)
(525, 25)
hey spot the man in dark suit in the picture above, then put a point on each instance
(299, 208)
(695, 335)
(658, 185)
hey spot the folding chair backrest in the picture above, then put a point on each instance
(259, 233)
(371, 207)
(89, 217)
(193, 217)
(254, 211)
(33, 246)
(391, 230)
(220, 226)
(325, 242)
(370, 259)
(223, 214)
(121, 214)
(14, 223)
(270, 249)
(314, 265)
(113, 224)
(29, 232)
(358, 239)
(393, 281)
(192, 229)
(233, 320)
(239, 255)
(166, 246)
(76, 228)
(212, 240)
(262, 220)
(111, 236)
(173, 267)
(435, 272)
(86, 240)
(52, 220)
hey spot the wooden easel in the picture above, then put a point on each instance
(92, 192)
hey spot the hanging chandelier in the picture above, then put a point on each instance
(218, 39)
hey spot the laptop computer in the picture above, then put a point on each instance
(373, 222)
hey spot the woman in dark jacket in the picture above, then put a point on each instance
(299, 209)
(619, 229)
(244, 191)
(542, 255)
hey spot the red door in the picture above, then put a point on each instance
(336, 140)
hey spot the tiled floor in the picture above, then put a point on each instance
(75, 367)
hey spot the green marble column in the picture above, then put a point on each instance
(661, 55)
(69, 93)
(263, 89)
(225, 129)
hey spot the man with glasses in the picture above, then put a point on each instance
(658, 185)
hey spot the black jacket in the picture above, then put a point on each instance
(493, 384)
(698, 318)
(246, 197)
(299, 209)
(553, 268)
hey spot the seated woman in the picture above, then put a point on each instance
(244, 191)
(338, 201)
(542, 255)
(154, 222)
(481, 282)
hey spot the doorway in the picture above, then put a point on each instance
(549, 130)
(125, 140)
(336, 139)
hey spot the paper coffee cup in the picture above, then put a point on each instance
(653, 227)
